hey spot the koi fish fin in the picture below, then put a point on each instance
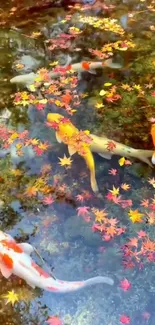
(153, 158)
(105, 155)
(143, 155)
(27, 248)
(109, 63)
(58, 137)
(68, 61)
(71, 150)
(79, 75)
(6, 272)
(92, 71)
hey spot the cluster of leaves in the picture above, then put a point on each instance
(138, 250)
(106, 24)
(21, 140)
(121, 45)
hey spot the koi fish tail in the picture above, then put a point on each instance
(65, 286)
(109, 63)
(98, 280)
(144, 156)
(153, 158)
(93, 181)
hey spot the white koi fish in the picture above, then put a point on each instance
(15, 259)
(100, 146)
(29, 79)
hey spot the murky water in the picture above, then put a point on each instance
(66, 240)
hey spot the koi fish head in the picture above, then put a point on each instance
(54, 117)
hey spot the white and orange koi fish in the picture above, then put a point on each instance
(30, 78)
(15, 259)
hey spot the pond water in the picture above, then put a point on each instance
(49, 204)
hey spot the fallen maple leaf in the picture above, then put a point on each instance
(145, 203)
(121, 161)
(19, 65)
(111, 145)
(114, 191)
(125, 284)
(141, 234)
(54, 320)
(152, 181)
(65, 161)
(11, 297)
(112, 171)
(83, 211)
(125, 187)
(48, 199)
(125, 319)
(135, 216)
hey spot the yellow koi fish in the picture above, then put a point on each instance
(66, 132)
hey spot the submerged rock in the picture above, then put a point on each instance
(75, 227)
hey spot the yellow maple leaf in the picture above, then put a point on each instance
(121, 161)
(43, 146)
(102, 92)
(31, 191)
(19, 145)
(54, 63)
(35, 34)
(32, 88)
(16, 172)
(114, 191)
(43, 101)
(107, 84)
(34, 141)
(137, 87)
(11, 297)
(125, 187)
(65, 161)
(99, 215)
(135, 216)
(19, 65)
(99, 105)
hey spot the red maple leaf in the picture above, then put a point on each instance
(111, 145)
(126, 203)
(125, 285)
(80, 197)
(54, 320)
(133, 242)
(125, 319)
(83, 211)
(48, 199)
(141, 234)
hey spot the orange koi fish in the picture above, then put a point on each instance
(29, 78)
(65, 132)
(15, 259)
(153, 140)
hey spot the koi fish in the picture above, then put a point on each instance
(15, 259)
(29, 79)
(153, 139)
(65, 131)
(100, 146)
